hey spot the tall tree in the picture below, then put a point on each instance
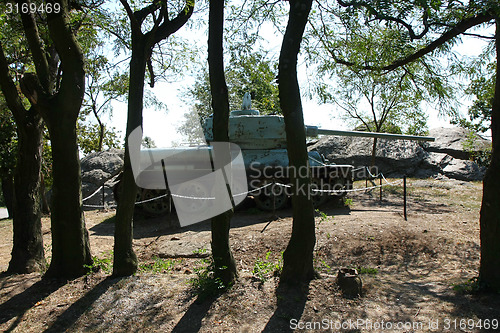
(103, 86)
(157, 17)
(298, 256)
(56, 92)
(225, 266)
(378, 102)
(489, 271)
(448, 20)
(27, 250)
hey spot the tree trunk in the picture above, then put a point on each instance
(8, 193)
(101, 136)
(27, 249)
(225, 265)
(125, 259)
(43, 194)
(489, 271)
(298, 256)
(70, 239)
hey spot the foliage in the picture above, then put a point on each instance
(377, 102)
(8, 140)
(158, 265)
(89, 136)
(480, 155)
(147, 142)
(471, 286)
(322, 216)
(263, 269)
(206, 284)
(105, 264)
(482, 75)
(347, 201)
(368, 270)
(253, 73)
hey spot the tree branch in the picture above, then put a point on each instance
(36, 48)
(383, 17)
(458, 29)
(9, 90)
(169, 27)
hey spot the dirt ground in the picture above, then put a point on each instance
(415, 272)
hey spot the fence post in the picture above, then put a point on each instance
(103, 207)
(404, 197)
(380, 176)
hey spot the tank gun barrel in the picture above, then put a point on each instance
(315, 131)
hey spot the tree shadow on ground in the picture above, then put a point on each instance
(192, 319)
(394, 203)
(148, 226)
(73, 313)
(19, 304)
(291, 302)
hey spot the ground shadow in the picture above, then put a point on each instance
(291, 303)
(192, 319)
(71, 315)
(16, 306)
(148, 226)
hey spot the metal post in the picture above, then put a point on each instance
(404, 197)
(366, 178)
(103, 195)
(380, 176)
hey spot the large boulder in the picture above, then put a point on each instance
(448, 155)
(464, 170)
(456, 142)
(392, 155)
(98, 169)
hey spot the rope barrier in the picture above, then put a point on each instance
(387, 183)
(96, 191)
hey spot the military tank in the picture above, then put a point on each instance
(262, 140)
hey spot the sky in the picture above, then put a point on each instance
(162, 125)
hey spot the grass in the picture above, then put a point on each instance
(266, 268)
(105, 264)
(158, 265)
(470, 286)
(322, 216)
(206, 284)
(322, 265)
(347, 202)
(368, 270)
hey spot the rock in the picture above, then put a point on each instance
(436, 161)
(453, 141)
(446, 157)
(97, 169)
(464, 170)
(392, 155)
(110, 162)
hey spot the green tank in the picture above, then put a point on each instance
(262, 141)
